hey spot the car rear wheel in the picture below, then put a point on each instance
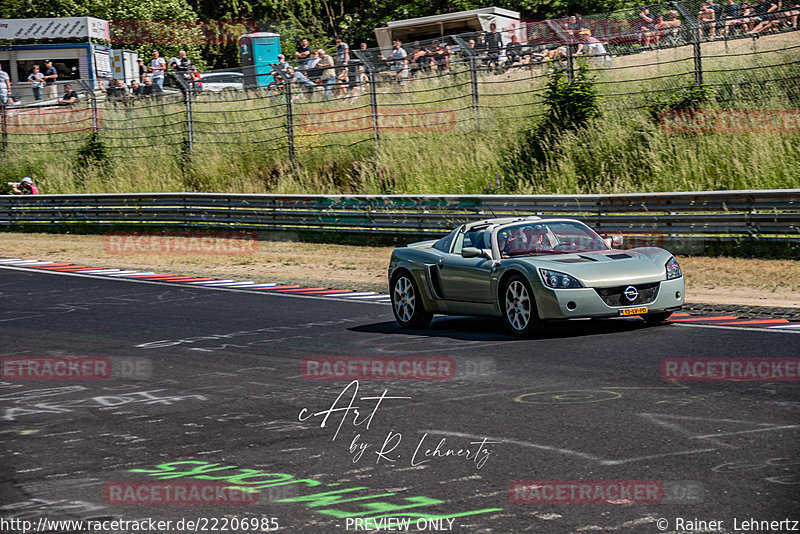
(407, 303)
(656, 318)
(519, 307)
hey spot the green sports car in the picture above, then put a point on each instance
(529, 270)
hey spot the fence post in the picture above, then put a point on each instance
(287, 84)
(570, 65)
(373, 98)
(696, 36)
(93, 103)
(187, 99)
(473, 77)
(4, 120)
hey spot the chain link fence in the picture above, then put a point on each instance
(440, 88)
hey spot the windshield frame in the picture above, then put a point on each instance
(496, 254)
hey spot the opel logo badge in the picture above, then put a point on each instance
(631, 293)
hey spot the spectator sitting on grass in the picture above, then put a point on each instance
(136, 89)
(513, 51)
(70, 96)
(764, 16)
(150, 89)
(116, 89)
(706, 17)
(299, 78)
(591, 46)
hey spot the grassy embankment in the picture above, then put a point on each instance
(622, 151)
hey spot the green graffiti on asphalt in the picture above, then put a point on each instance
(254, 481)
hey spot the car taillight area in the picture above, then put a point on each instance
(630, 295)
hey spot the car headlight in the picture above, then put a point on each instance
(558, 280)
(673, 269)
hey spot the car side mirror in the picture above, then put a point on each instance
(614, 241)
(471, 252)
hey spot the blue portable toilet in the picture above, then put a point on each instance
(257, 51)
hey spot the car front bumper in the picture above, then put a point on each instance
(586, 302)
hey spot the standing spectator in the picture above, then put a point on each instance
(50, 77)
(142, 70)
(400, 63)
(5, 86)
(24, 187)
(494, 42)
(647, 28)
(157, 68)
(182, 63)
(328, 71)
(303, 54)
(37, 82)
(342, 52)
(70, 96)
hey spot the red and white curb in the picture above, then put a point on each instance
(196, 281)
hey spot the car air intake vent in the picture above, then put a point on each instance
(616, 296)
(618, 256)
(579, 259)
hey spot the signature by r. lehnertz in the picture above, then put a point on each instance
(361, 418)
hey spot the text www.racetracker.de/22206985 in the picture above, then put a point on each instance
(118, 526)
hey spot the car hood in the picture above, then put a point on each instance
(607, 268)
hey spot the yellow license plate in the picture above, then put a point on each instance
(633, 311)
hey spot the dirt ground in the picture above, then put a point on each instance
(747, 282)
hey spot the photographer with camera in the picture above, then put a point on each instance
(24, 187)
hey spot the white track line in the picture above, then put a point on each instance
(746, 329)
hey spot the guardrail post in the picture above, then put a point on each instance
(92, 103)
(373, 98)
(473, 77)
(4, 120)
(287, 84)
(187, 99)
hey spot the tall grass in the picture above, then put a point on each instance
(241, 146)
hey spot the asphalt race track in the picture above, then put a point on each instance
(208, 387)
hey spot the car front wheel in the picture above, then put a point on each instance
(519, 308)
(407, 303)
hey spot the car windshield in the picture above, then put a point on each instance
(557, 237)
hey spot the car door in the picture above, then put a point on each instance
(466, 279)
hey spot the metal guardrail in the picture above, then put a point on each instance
(773, 214)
